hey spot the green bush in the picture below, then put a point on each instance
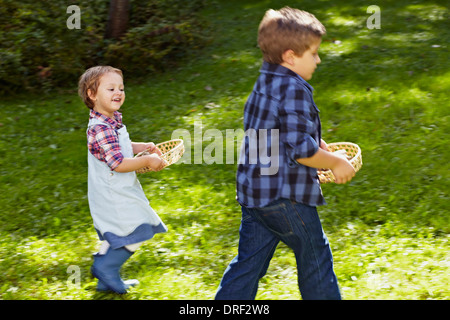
(38, 51)
(158, 30)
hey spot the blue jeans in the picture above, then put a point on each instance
(299, 227)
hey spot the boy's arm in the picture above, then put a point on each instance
(296, 125)
(342, 169)
(323, 145)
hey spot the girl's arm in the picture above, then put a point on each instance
(132, 164)
(142, 146)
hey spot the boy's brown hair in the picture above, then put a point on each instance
(285, 29)
(90, 80)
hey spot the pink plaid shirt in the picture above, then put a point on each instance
(103, 141)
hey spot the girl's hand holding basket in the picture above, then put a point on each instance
(169, 151)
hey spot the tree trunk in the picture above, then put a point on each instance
(117, 18)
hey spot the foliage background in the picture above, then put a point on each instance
(38, 51)
(385, 89)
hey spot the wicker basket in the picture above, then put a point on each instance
(171, 150)
(354, 156)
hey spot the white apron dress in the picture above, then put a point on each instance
(120, 210)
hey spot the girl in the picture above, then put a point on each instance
(120, 210)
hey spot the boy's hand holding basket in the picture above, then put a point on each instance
(350, 150)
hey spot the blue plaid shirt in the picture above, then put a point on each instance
(282, 124)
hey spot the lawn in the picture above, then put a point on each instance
(385, 89)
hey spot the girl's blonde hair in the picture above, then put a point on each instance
(90, 80)
(285, 29)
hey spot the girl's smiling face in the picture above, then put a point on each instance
(110, 94)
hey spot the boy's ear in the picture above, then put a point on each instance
(288, 56)
(91, 95)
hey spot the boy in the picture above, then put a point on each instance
(281, 206)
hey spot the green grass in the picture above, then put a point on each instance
(384, 89)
